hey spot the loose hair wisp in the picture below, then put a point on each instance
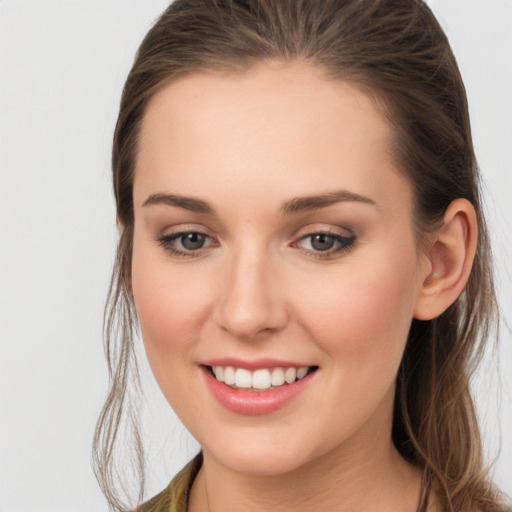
(397, 53)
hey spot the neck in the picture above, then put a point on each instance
(371, 477)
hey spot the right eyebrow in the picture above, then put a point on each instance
(187, 203)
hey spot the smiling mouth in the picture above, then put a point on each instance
(263, 379)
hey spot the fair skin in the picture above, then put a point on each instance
(264, 278)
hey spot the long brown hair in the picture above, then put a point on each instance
(395, 51)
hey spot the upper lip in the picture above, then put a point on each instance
(253, 364)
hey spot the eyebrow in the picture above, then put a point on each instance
(187, 203)
(294, 205)
(308, 203)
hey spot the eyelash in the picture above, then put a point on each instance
(345, 244)
(167, 241)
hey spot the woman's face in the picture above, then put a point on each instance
(273, 237)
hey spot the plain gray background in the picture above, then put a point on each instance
(62, 66)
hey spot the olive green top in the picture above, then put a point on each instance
(175, 497)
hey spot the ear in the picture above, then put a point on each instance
(448, 261)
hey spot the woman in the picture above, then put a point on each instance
(303, 246)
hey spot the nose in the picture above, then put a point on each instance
(252, 300)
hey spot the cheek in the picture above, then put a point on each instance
(169, 304)
(364, 312)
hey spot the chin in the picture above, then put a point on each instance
(260, 458)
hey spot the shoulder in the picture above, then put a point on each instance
(174, 498)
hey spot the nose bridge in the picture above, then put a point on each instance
(251, 302)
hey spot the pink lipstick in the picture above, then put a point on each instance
(256, 387)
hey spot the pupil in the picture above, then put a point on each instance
(192, 241)
(322, 242)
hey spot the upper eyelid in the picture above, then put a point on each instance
(327, 232)
(183, 229)
(299, 234)
(178, 234)
(168, 241)
(342, 231)
(336, 236)
(346, 244)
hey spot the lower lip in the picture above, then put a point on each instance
(254, 402)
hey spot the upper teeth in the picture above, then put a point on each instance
(259, 379)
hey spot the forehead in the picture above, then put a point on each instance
(285, 124)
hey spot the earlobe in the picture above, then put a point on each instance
(450, 258)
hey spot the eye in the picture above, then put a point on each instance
(192, 241)
(186, 243)
(324, 244)
(322, 241)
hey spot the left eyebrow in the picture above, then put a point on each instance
(307, 203)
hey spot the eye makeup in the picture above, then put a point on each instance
(320, 243)
(324, 244)
(186, 243)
